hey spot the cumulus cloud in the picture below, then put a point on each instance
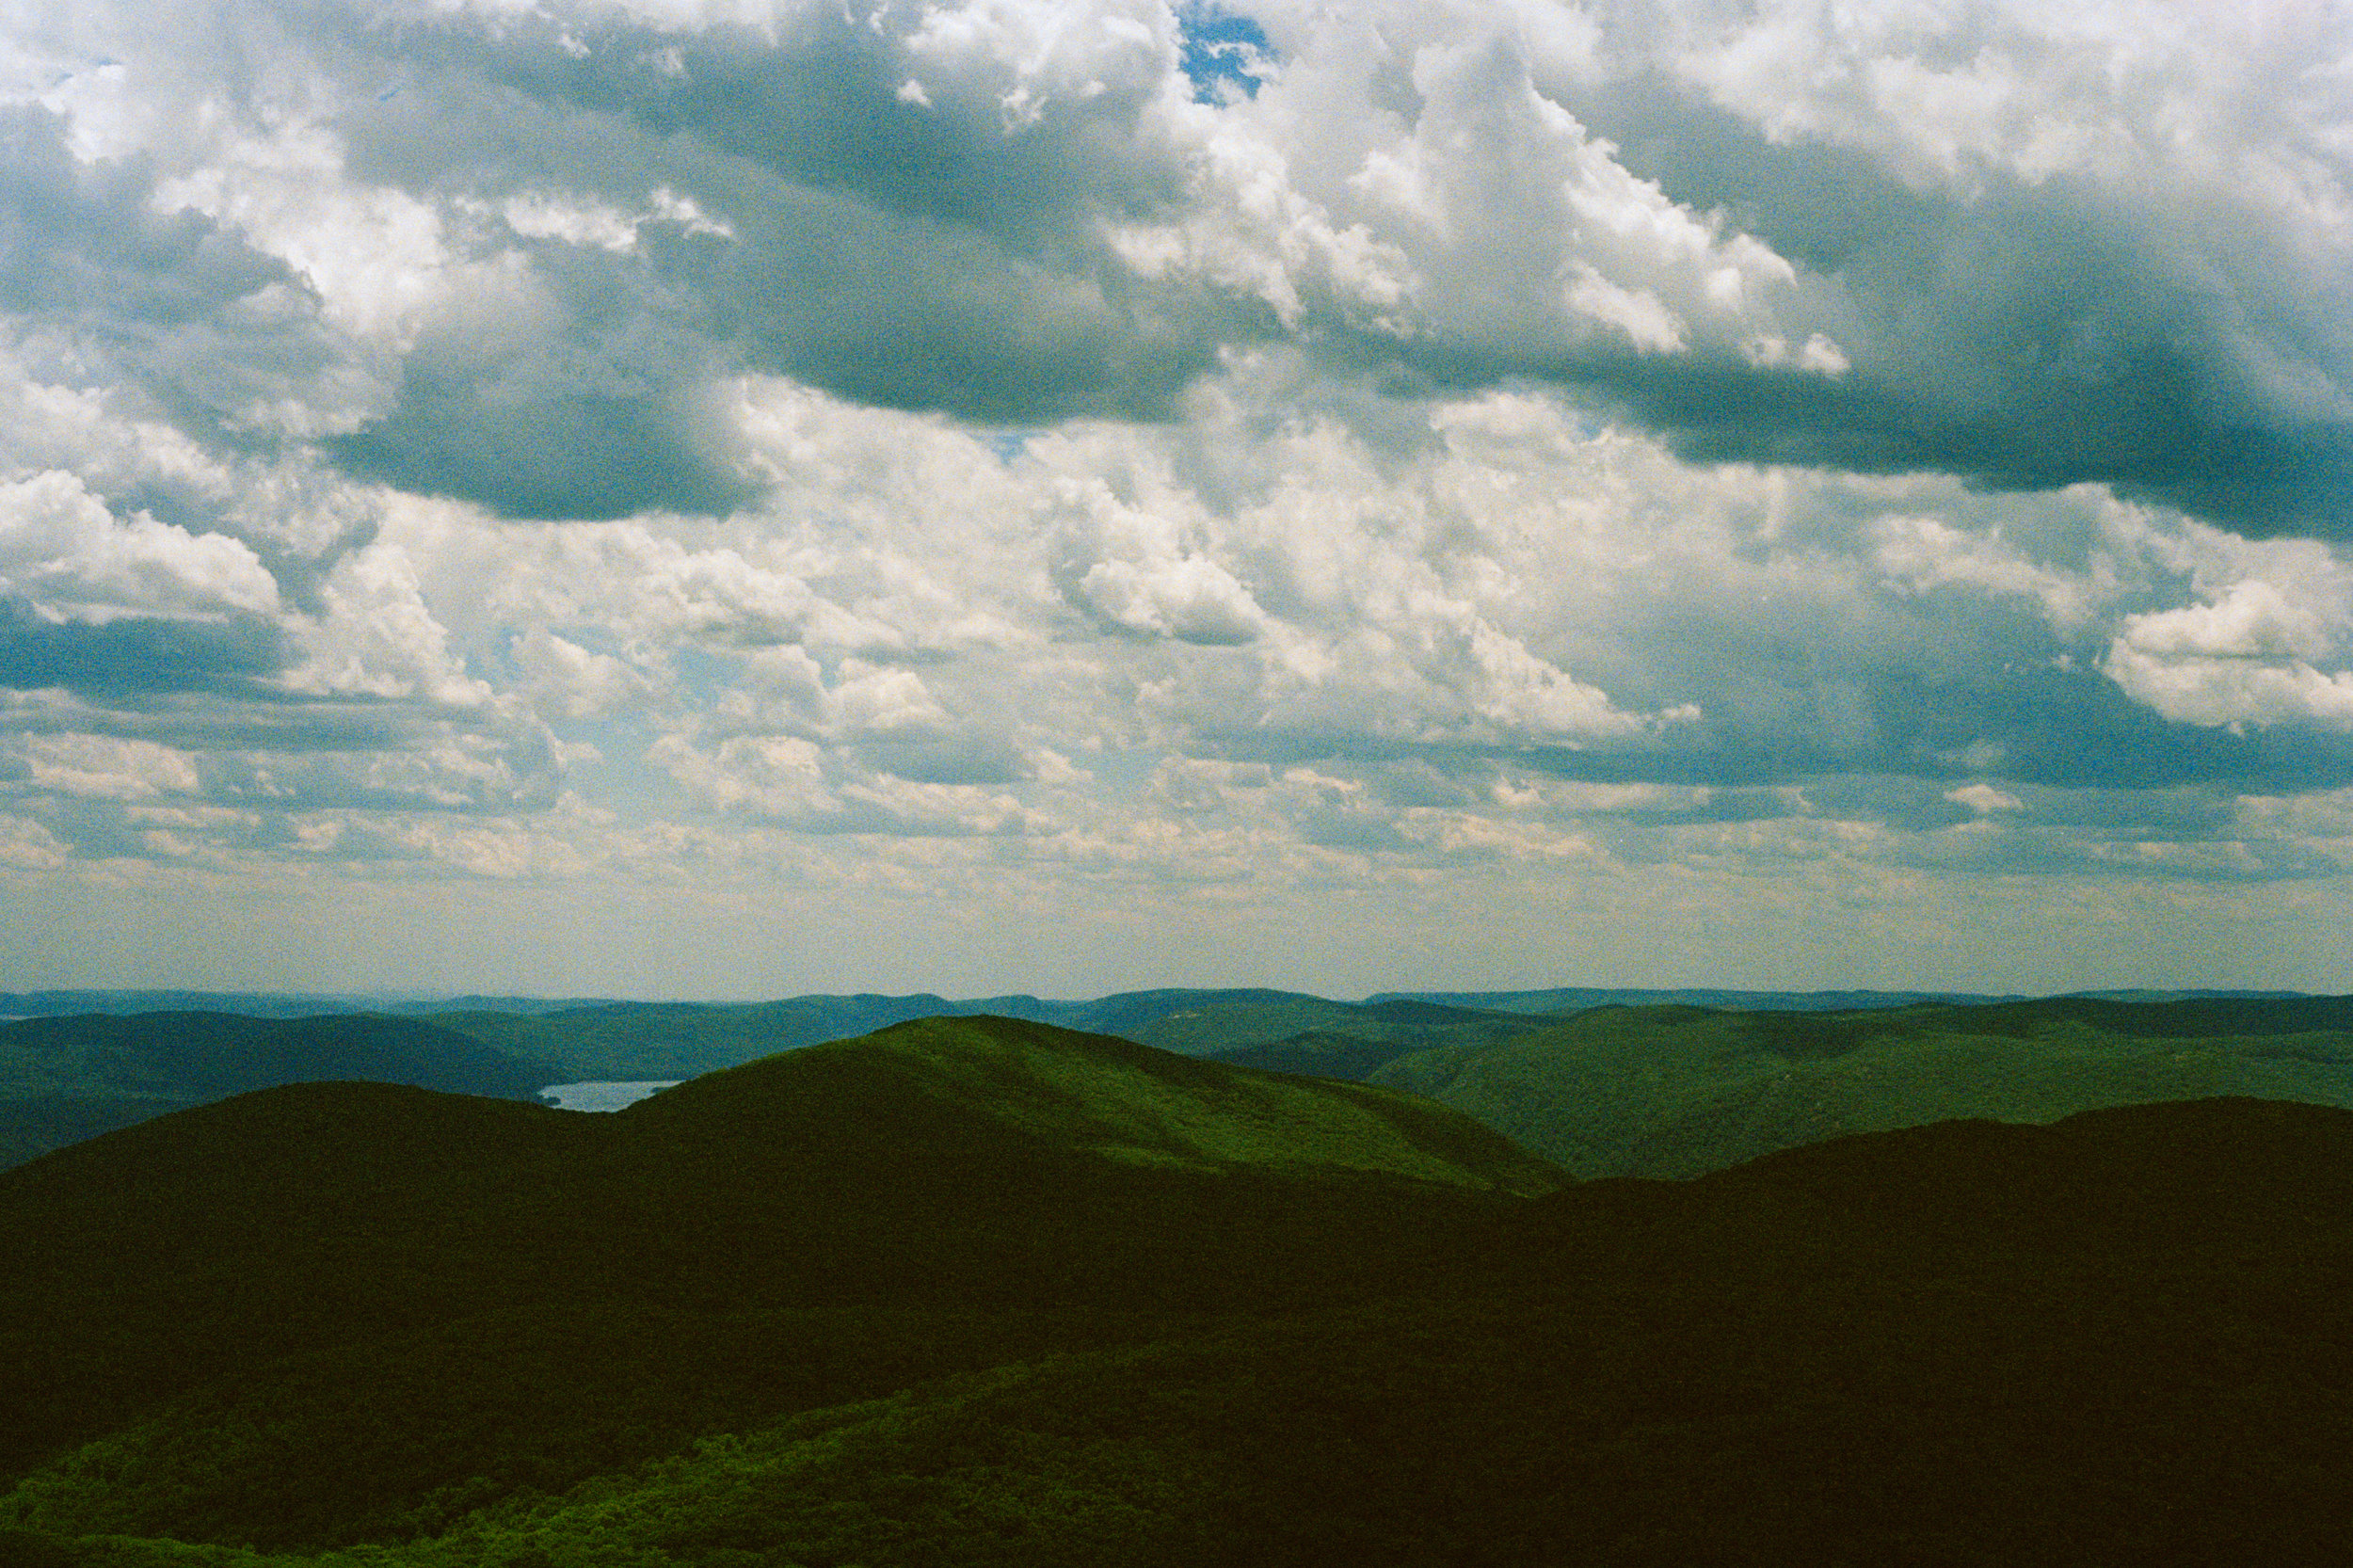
(1009, 450)
(66, 556)
(2246, 659)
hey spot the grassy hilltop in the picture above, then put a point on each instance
(987, 1292)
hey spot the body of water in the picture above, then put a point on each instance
(603, 1096)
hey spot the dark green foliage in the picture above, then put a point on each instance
(209, 1055)
(1677, 1091)
(1318, 1054)
(66, 1078)
(880, 1304)
(305, 1218)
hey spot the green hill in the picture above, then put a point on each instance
(655, 1040)
(63, 1078)
(209, 1287)
(2120, 1339)
(66, 1078)
(1676, 1091)
(1110, 1097)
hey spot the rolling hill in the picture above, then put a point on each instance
(1110, 1097)
(1671, 1092)
(973, 1294)
(654, 1040)
(66, 1078)
(943, 1167)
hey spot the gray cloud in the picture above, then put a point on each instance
(541, 455)
(950, 250)
(915, 256)
(135, 656)
(222, 338)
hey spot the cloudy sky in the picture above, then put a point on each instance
(738, 497)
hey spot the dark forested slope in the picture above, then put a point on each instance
(918, 1303)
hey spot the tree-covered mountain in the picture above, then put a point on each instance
(1674, 1092)
(1658, 1091)
(993, 1294)
(654, 1040)
(66, 1078)
(1578, 999)
(63, 1078)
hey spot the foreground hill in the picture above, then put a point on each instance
(936, 1329)
(1672, 1092)
(942, 1165)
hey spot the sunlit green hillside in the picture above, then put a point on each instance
(1130, 1102)
(1676, 1091)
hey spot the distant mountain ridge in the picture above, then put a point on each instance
(1577, 999)
(264, 1004)
(51, 1100)
(65, 1078)
(1678, 1091)
(44, 1105)
(1101, 1013)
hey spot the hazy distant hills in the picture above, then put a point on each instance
(980, 1292)
(1604, 1089)
(53, 1093)
(64, 1078)
(1577, 999)
(263, 1004)
(650, 1040)
(1677, 1091)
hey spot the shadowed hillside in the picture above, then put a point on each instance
(944, 1166)
(1677, 1091)
(877, 1304)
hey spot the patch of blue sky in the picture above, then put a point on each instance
(1225, 53)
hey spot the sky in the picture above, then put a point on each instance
(714, 498)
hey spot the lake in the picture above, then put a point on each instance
(603, 1096)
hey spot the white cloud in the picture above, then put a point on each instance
(1984, 799)
(25, 845)
(1280, 459)
(105, 769)
(63, 551)
(2246, 658)
(569, 682)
